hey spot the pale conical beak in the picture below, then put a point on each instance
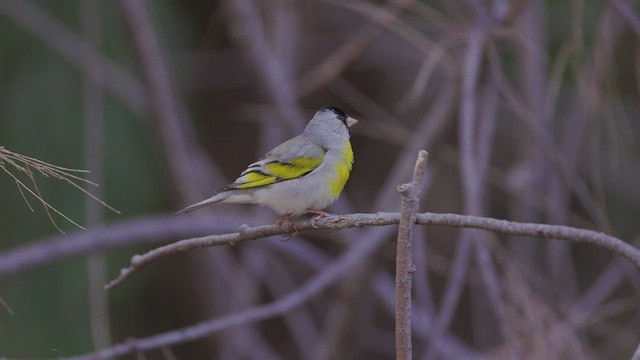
(351, 121)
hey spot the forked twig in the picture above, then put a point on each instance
(24, 164)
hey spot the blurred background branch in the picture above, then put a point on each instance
(323, 279)
(94, 161)
(528, 109)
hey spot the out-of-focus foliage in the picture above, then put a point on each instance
(41, 97)
(554, 140)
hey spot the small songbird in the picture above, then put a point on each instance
(302, 175)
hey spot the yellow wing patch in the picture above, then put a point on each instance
(294, 168)
(275, 171)
(254, 179)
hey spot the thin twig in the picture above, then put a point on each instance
(273, 72)
(277, 278)
(331, 273)
(6, 306)
(165, 104)
(335, 222)
(94, 160)
(37, 195)
(24, 164)
(334, 270)
(557, 159)
(150, 230)
(190, 166)
(476, 135)
(448, 345)
(628, 13)
(331, 66)
(404, 30)
(191, 169)
(471, 172)
(636, 354)
(404, 254)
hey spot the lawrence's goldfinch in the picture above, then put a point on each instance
(302, 175)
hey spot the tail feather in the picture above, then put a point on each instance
(212, 200)
(224, 195)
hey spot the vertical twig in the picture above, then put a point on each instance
(247, 15)
(166, 105)
(71, 47)
(404, 266)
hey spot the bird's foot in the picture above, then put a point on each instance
(289, 235)
(284, 220)
(319, 215)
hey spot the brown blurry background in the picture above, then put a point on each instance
(529, 110)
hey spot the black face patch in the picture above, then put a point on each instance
(339, 113)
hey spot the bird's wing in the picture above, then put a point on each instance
(290, 160)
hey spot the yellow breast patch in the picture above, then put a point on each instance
(342, 171)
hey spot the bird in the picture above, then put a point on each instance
(303, 175)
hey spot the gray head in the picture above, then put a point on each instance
(329, 122)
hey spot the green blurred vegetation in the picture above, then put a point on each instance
(42, 116)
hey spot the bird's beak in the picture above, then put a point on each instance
(351, 121)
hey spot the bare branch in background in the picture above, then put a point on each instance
(331, 66)
(165, 104)
(528, 110)
(94, 161)
(192, 170)
(274, 75)
(318, 283)
(151, 230)
(628, 14)
(61, 39)
(333, 271)
(636, 354)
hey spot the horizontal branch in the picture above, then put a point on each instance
(148, 230)
(247, 233)
(329, 274)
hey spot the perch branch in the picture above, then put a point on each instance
(333, 271)
(330, 274)
(335, 222)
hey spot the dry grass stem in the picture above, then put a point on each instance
(23, 164)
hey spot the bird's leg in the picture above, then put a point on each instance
(286, 218)
(319, 215)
